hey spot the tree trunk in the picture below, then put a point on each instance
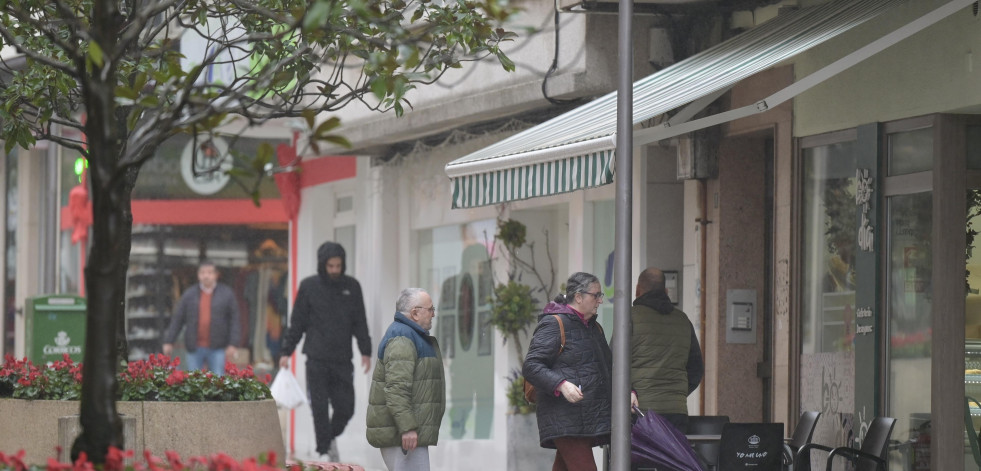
(101, 427)
(105, 270)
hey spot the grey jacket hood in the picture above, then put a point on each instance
(327, 251)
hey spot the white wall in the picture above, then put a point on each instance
(936, 70)
(484, 91)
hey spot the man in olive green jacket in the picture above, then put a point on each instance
(408, 391)
(665, 358)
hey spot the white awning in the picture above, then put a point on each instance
(575, 150)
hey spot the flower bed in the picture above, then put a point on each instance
(192, 413)
(156, 379)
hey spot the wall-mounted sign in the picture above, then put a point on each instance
(863, 198)
(205, 170)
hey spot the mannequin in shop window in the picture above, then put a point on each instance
(263, 285)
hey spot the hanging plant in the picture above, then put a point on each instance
(512, 311)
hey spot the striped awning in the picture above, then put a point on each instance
(575, 150)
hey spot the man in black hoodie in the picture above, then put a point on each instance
(329, 309)
(665, 358)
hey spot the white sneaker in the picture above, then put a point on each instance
(332, 451)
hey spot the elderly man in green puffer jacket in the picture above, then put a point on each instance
(408, 391)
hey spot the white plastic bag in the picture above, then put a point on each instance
(287, 391)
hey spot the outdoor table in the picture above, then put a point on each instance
(703, 438)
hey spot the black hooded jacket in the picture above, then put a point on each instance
(329, 312)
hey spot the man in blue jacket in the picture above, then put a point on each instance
(408, 390)
(329, 310)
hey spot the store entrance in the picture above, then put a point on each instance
(251, 259)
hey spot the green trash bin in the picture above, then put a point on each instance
(54, 325)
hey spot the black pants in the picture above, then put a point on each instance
(331, 385)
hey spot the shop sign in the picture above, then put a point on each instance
(62, 345)
(206, 173)
(863, 198)
(863, 313)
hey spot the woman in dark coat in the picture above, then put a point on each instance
(573, 387)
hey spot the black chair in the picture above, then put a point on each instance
(802, 436)
(708, 452)
(870, 457)
(972, 434)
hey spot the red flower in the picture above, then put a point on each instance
(175, 460)
(152, 461)
(82, 463)
(115, 459)
(176, 377)
(54, 465)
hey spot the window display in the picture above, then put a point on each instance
(251, 260)
(452, 261)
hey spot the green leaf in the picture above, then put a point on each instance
(123, 91)
(327, 125)
(238, 172)
(95, 54)
(506, 62)
(310, 116)
(316, 15)
(379, 88)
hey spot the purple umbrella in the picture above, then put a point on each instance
(654, 441)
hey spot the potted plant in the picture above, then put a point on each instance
(513, 310)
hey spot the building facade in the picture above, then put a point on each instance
(843, 218)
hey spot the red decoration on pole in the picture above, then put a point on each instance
(288, 182)
(80, 212)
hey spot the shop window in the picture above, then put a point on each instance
(828, 274)
(604, 222)
(910, 152)
(251, 260)
(345, 236)
(10, 250)
(459, 265)
(345, 204)
(909, 307)
(454, 266)
(828, 241)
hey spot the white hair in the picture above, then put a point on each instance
(408, 299)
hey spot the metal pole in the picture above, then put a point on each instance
(620, 436)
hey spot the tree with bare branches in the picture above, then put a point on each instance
(119, 77)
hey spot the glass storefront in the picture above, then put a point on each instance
(909, 318)
(459, 265)
(908, 298)
(454, 266)
(252, 261)
(10, 271)
(828, 283)
(604, 222)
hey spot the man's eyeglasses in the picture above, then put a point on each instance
(598, 295)
(432, 309)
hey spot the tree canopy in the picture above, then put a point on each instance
(113, 79)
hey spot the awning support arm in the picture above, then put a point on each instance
(651, 135)
(693, 108)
